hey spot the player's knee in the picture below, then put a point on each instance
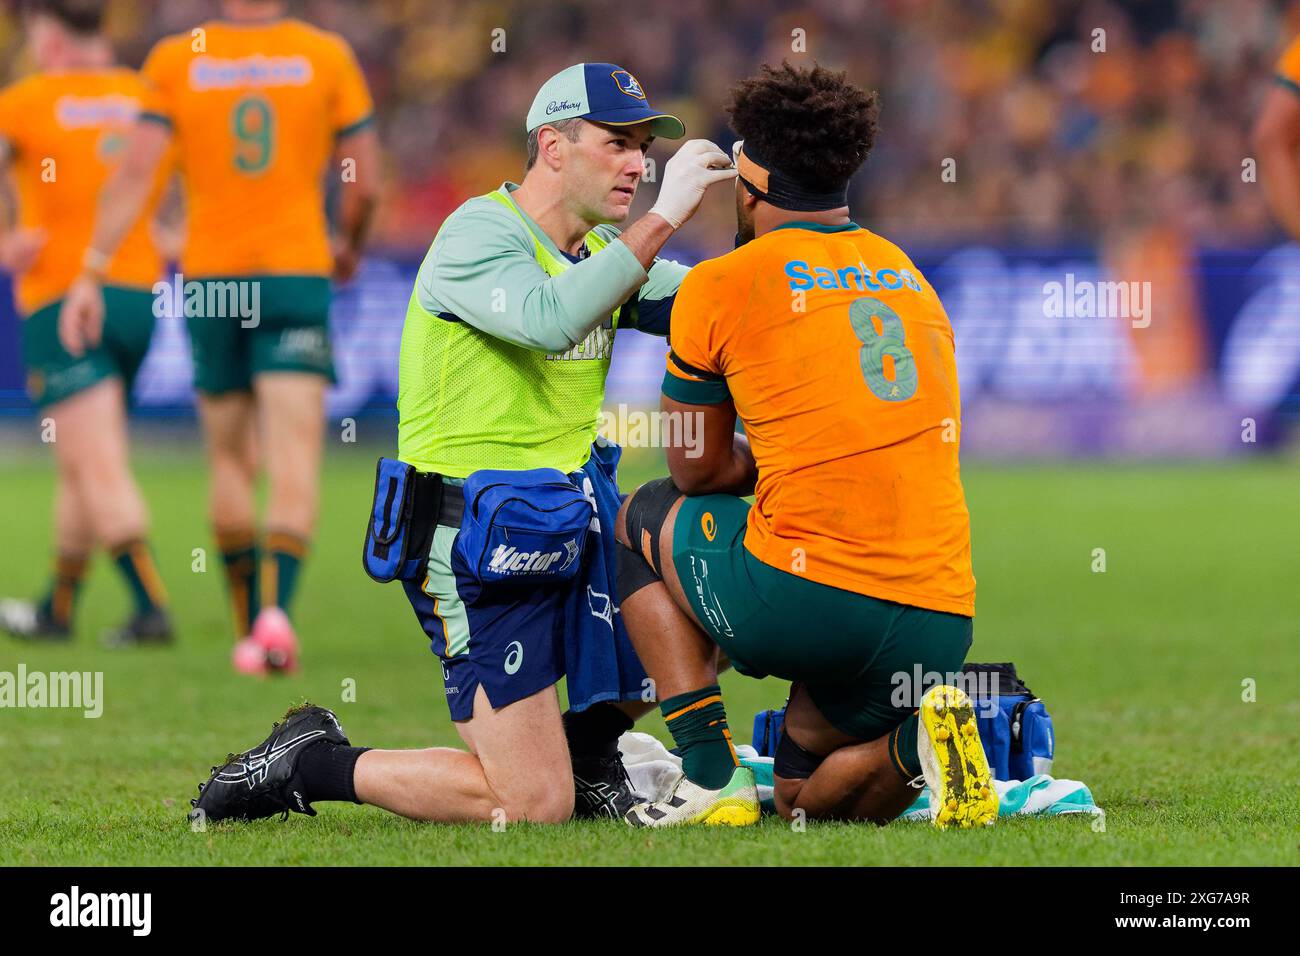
(784, 795)
(638, 527)
(632, 571)
(620, 521)
(643, 516)
(793, 762)
(792, 765)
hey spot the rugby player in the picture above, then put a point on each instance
(507, 342)
(1277, 141)
(63, 130)
(853, 563)
(256, 104)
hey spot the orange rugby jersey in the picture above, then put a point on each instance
(840, 360)
(65, 133)
(1287, 70)
(256, 109)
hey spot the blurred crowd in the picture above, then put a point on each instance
(1058, 133)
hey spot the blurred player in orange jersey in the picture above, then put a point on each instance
(1277, 142)
(852, 567)
(261, 109)
(63, 130)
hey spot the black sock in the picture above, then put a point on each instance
(594, 732)
(327, 771)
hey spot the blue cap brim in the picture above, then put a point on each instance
(664, 125)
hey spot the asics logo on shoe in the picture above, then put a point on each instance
(254, 766)
(598, 795)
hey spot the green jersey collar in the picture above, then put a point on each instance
(816, 226)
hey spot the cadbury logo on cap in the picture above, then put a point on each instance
(557, 106)
(627, 83)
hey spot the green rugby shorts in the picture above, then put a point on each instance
(853, 652)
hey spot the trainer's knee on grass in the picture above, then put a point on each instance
(546, 798)
(525, 759)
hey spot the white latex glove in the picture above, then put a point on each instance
(693, 169)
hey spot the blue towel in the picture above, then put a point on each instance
(599, 660)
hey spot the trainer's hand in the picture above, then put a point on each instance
(19, 248)
(693, 169)
(81, 318)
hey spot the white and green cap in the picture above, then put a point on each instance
(603, 93)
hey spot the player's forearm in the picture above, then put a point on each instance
(1279, 167)
(356, 213)
(735, 474)
(360, 193)
(127, 190)
(120, 204)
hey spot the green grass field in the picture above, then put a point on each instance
(1142, 667)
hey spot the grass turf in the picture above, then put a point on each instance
(1142, 667)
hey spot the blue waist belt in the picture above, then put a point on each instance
(514, 525)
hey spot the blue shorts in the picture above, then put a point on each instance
(515, 639)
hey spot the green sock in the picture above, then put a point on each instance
(280, 565)
(136, 563)
(902, 747)
(698, 723)
(61, 599)
(239, 555)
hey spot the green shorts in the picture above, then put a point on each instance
(242, 326)
(858, 656)
(53, 374)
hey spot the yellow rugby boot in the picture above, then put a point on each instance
(953, 761)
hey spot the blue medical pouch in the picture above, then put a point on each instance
(767, 731)
(403, 515)
(1014, 725)
(525, 526)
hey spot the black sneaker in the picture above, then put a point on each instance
(601, 788)
(29, 621)
(264, 781)
(148, 629)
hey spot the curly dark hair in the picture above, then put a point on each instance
(811, 123)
